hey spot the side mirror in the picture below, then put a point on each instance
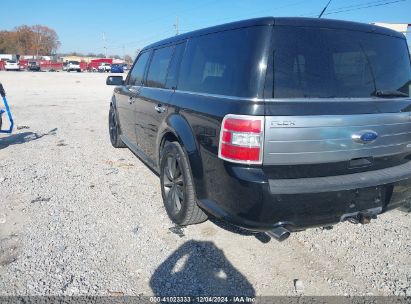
(115, 80)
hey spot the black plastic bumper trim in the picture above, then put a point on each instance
(341, 182)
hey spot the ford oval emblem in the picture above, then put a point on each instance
(364, 137)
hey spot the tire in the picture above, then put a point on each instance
(114, 130)
(177, 188)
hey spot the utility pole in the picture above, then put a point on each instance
(105, 47)
(38, 46)
(176, 26)
(38, 41)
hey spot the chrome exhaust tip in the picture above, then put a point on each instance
(279, 233)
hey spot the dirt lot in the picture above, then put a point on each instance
(80, 217)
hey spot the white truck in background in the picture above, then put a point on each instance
(73, 66)
(104, 67)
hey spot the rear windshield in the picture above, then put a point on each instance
(74, 62)
(330, 63)
(11, 61)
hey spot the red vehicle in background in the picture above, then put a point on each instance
(23, 64)
(94, 64)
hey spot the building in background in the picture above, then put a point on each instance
(34, 57)
(399, 27)
(76, 58)
(7, 57)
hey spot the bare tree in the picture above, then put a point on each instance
(128, 59)
(34, 40)
(7, 42)
(23, 39)
(45, 40)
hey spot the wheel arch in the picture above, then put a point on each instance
(113, 103)
(177, 128)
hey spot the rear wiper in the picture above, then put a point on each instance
(389, 93)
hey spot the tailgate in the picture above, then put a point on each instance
(295, 140)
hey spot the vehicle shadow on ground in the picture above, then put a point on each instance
(199, 268)
(24, 137)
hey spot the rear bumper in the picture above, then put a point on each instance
(246, 198)
(341, 182)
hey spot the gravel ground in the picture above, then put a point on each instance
(80, 217)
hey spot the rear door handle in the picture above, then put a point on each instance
(160, 109)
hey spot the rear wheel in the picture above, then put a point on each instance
(114, 130)
(177, 186)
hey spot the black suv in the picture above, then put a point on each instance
(273, 124)
(33, 66)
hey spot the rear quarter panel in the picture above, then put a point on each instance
(196, 121)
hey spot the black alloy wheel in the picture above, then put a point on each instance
(114, 130)
(177, 186)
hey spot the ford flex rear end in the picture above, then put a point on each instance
(273, 124)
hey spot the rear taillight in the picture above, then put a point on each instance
(241, 139)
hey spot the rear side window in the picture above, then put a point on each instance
(224, 63)
(157, 72)
(137, 73)
(173, 71)
(331, 63)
